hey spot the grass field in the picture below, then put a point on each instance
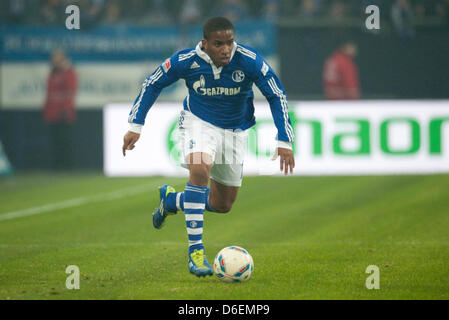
(310, 237)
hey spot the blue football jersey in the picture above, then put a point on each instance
(221, 96)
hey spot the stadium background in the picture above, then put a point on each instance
(119, 44)
(331, 229)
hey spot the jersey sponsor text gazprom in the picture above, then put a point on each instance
(218, 91)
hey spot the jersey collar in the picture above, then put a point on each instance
(206, 58)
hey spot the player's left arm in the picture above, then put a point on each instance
(270, 86)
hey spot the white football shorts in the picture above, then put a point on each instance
(226, 147)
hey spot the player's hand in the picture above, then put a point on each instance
(287, 159)
(129, 141)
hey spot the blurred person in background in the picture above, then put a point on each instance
(341, 75)
(402, 17)
(158, 14)
(191, 12)
(91, 11)
(271, 10)
(113, 13)
(16, 11)
(442, 10)
(337, 11)
(234, 10)
(309, 9)
(59, 110)
(52, 12)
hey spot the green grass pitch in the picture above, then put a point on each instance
(310, 237)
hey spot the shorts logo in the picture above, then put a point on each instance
(181, 121)
(191, 144)
(238, 76)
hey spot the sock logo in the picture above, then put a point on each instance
(193, 224)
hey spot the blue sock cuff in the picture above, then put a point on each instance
(196, 194)
(208, 207)
(196, 187)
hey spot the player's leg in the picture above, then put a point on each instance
(194, 140)
(175, 201)
(199, 148)
(194, 206)
(222, 197)
(226, 176)
(199, 164)
(219, 197)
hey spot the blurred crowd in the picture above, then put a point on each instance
(160, 12)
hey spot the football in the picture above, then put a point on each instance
(233, 264)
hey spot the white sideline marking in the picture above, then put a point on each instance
(251, 245)
(76, 202)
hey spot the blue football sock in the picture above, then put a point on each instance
(175, 204)
(194, 205)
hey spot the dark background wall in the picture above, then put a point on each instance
(389, 67)
(26, 140)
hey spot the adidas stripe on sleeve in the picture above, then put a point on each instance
(162, 77)
(270, 86)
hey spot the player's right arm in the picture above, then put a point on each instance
(270, 86)
(167, 73)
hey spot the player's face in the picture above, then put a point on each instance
(219, 46)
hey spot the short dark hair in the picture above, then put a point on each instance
(216, 24)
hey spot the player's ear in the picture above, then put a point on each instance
(204, 43)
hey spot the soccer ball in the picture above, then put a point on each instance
(233, 264)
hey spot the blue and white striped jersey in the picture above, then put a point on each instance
(221, 96)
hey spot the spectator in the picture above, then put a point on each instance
(337, 11)
(136, 10)
(59, 109)
(308, 10)
(52, 12)
(234, 10)
(340, 74)
(271, 10)
(113, 13)
(402, 17)
(442, 9)
(91, 12)
(158, 14)
(191, 12)
(17, 11)
(420, 10)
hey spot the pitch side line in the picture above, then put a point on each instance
(77, 202)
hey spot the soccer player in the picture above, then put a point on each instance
(219, 74)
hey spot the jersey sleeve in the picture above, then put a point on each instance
(270, 86)
(164, 75)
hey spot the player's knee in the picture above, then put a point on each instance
(224, 207)
(199, 175)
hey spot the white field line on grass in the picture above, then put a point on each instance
(76, 202)
(250, 245)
